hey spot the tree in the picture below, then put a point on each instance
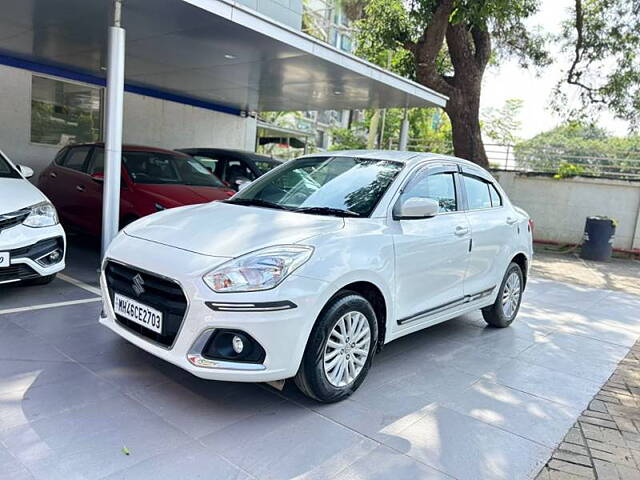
(502, 124)
(603, 39)
(446, 45)
(580, 144)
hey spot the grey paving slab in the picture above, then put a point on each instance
(384, 463)
(288, 441)
(531, 417)
(545, 383)
(467, 448)
(21, 375)
(22, 407)
(88, 442)
(53, 323)
(16, 296)
(11, 468)
(569, 362)
(19, 344)
(192, 461)
(207, 407)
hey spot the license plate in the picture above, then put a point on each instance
(5, 259)
(138, 312)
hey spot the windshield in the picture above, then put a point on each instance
(265, 165)
(165, 168)
(342, 186)
(6, 170)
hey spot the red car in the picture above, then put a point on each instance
(152, 180)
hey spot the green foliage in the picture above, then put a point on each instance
(502, 124)
(580, 144)
(568, 170)
(602, 39)
(348, 138)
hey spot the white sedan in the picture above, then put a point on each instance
(312, 268)
(32, 242)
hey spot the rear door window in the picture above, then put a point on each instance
(478, 196)
(76, 159)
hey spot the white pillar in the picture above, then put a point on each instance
(113, 137)
(404, 132)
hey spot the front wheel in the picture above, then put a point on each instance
(503, 312)
(340, 349)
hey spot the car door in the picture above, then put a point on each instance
(69, 184)
(92, 204)
(492, 230)
(431, 253)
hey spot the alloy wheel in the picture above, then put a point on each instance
(511, 294)
(347, 349)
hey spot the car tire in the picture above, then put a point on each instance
(316, 377)
(40, 280)
(505, 309)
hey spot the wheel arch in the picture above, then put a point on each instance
(522, 261)
(374, 294)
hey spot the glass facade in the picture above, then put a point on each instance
(64, 112)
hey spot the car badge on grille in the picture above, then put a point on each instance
(138, 284)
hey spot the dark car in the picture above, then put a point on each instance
(234, 167)
(153, 179)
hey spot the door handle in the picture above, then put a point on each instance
(53, 175)
(511, 220)
(81, 188)
(460, 230)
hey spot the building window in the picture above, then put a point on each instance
(64, 112)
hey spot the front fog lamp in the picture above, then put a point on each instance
(238, 344)
(41, 215)
(259, 270)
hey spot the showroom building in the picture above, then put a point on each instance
(196, 73)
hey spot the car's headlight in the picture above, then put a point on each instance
(259, 270)
(42, 215)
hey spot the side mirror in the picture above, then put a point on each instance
(25, 171)
(98, 177)
(415, 207)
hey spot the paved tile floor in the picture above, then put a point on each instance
(458, 400)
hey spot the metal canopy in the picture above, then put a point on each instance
(209, 50)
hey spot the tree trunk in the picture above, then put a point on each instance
(464, 113)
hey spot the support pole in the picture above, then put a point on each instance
(404, 131)
(113, 138)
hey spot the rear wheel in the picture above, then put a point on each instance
(339, 350)
(505, 309)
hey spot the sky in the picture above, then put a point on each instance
(508, 80)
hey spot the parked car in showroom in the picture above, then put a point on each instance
(235, 167)
(152, 180)
(32, 242)
(313, 267)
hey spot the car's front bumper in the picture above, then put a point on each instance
(281, 332)
(19, 242)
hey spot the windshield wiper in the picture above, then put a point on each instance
(338, 212)
(254, 202)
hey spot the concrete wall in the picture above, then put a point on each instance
(147, 121)
(559, 208)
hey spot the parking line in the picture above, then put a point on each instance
(49, 305)
(79, 284)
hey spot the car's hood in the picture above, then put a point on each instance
(178, 195)
(17, 193)
(226, 230)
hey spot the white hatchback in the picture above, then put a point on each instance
(312, 268)
(32, 242)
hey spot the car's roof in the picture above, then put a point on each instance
(130, 148)
(232, 153)
(395, 155)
